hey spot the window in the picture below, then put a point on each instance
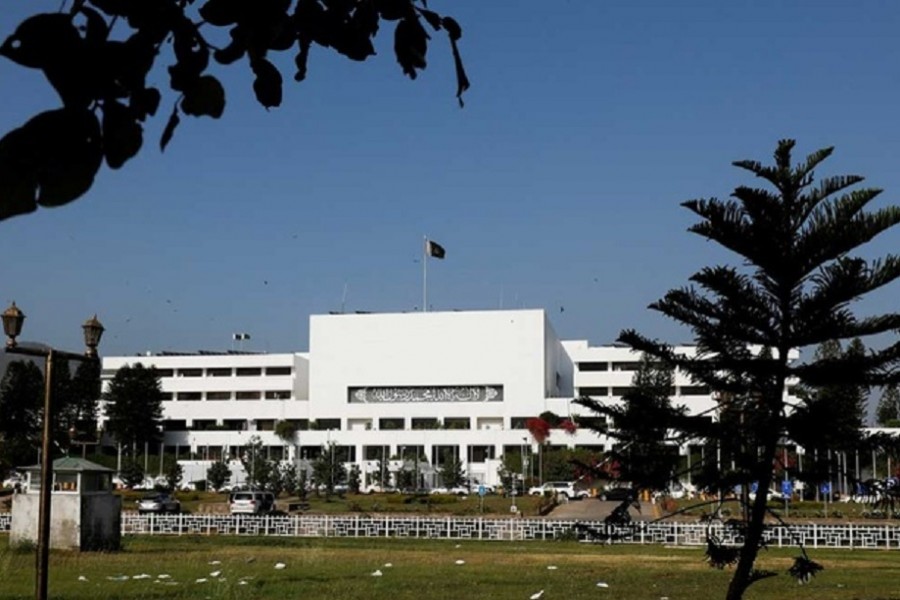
(218, 372)
(218, 395)
(442, 455)
(327, 424)
(203, 424)
(625, 366)
(425, 423)
(248, 371)
(278, 395)
(375, 452)
(694, 390)
(165, 373)
(391, 423)
(620, 391)
(300, 424)
(248, 395)
(593, 366)
(457, 423)
(174, 425)
(189, 395)
(278, 370)
(166, 395)
(518, 422)
(480, 454)
(593, 391)
(190, 372)
(265, 424)
(234, 425)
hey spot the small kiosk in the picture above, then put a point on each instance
(84, 513)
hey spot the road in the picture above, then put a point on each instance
(592, 509)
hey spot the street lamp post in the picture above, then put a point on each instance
(13, 319)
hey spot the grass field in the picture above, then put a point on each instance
(245, 568)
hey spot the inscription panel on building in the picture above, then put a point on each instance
(440, 393)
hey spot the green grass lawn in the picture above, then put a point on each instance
(342, 569)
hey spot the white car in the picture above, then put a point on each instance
(453, 491)
(563, 488)
(13, 480)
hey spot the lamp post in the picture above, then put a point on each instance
(13, 319)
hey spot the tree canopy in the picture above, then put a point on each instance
(134, 405)
(21, 393)
(97, 55)
(800, 271)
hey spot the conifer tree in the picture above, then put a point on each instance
(799, 272)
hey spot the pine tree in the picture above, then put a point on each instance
(134, 405)
(646, 456)
(887, 414)
(797, 278)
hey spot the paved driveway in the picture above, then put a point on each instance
(592, 509)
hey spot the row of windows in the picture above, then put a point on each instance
(609, 366)
(384, 424)
(685, 390)
(439, 455)
(220, 395)
(225, 372)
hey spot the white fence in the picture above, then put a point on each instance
(850, 535)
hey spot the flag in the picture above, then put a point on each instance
(241, 336)
(434, 249)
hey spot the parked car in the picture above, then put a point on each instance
(14, 480)
(617, 494)
(159, 504)
(251, 502)
(564, 488)
(453, 491)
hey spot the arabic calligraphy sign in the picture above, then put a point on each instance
(445, 393)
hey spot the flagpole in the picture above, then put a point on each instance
(425, 273)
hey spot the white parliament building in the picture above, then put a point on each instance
(459, 383)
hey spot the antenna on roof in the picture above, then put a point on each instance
(344, 297)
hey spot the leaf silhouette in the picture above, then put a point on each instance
(205, 97)
(123, 136)
(267, 85)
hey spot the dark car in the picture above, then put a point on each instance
(158, 503)
(617, 494)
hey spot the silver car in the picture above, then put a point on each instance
(159, 504)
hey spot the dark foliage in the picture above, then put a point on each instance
(21, 402)
(793, 289)
(99, 54)
(134, 405)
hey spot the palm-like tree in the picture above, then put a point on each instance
(797, 279)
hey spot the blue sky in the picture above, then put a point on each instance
(557, 186)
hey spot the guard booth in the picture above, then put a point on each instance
(84, 513)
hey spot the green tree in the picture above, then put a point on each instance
(173, 473)
(830, 417)
(80, 415)
(887, 414)
(258, 468)
(102, 75)
(797, 278)
(218, 474)
(328, 469)
(132, 473)
(354, 479)
(289, 480)
(21, 406)
(134, 405)
(451, 470)
(645, 454)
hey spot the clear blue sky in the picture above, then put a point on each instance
(557, 186)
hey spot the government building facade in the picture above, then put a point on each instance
(380, 386)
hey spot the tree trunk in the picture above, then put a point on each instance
(742, 574)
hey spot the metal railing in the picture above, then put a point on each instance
(812, 535)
